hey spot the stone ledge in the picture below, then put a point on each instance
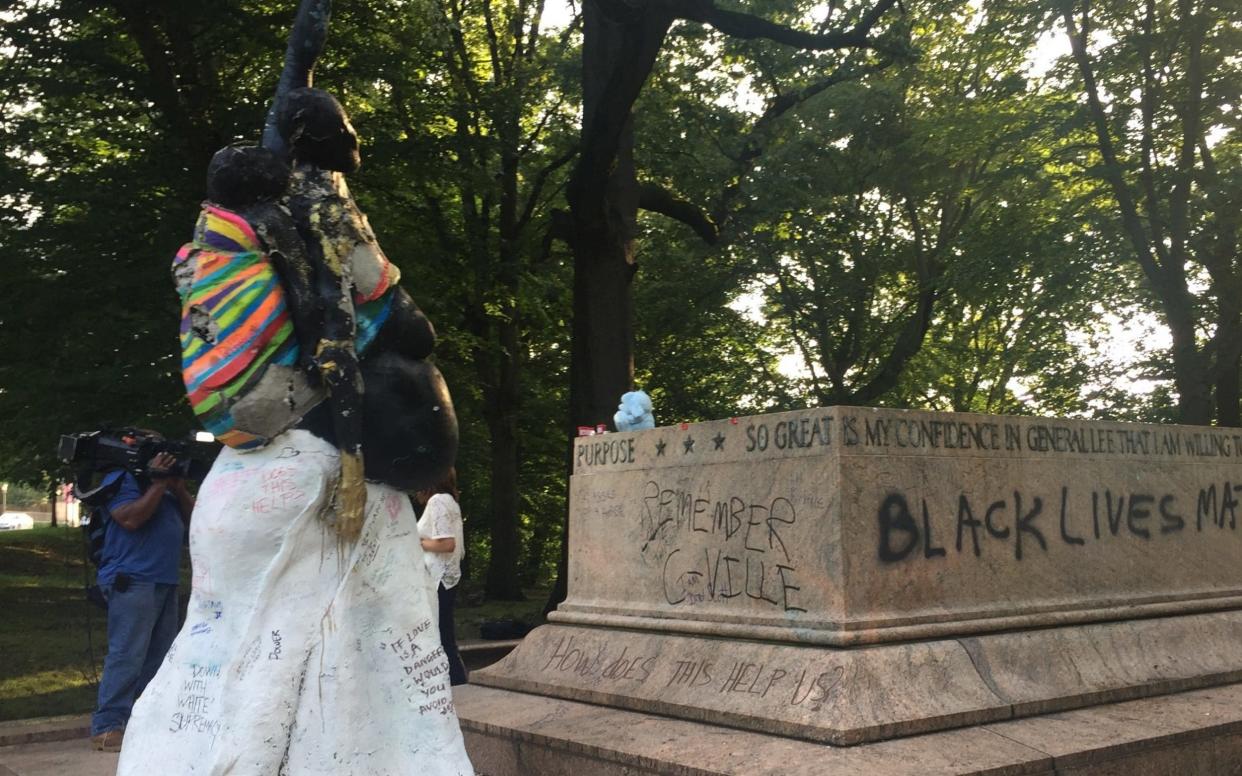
(515, 734)
(866, 633)
(478, 654)
(850, 696)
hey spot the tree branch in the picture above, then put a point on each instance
(1104, 140)
(1183, 176)
(756, 138)
(749, 27)
(1147, 135)
(493, 43)
(536, 186)
(793, 311)
(164, 91)
(657, 199)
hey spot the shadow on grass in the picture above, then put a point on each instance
(469, 616)
(46, 665)
(69, 700)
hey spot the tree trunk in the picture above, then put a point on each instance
(503, 572)
(602, 355)
(617, 57)
(503, 579)
(1191, 376)
(603, 201)
(1219, 255)
(1228, 342)
(1166, 273)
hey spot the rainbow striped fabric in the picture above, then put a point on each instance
(234, 320)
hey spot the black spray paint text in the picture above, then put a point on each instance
(1024, 522)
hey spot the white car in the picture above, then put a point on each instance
(16, 521)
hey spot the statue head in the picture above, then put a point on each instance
(317, 130)
(243, 175)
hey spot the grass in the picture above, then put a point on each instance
(52, 642)
(45, 651)
(471, 612)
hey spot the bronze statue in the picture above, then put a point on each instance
(407, 425)
(281, 226)
(309, 641)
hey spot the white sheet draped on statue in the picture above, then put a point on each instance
(301, 654)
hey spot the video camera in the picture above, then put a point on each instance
(94, 453)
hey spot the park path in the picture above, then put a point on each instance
(74, 757)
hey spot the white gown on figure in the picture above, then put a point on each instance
(301, 654)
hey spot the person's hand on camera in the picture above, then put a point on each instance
(160, 469)
(135, 514)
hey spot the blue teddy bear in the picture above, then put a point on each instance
(634, 412)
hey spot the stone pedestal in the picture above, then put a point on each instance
(848, 575)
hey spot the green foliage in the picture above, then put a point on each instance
(699, 357)
(101, 176)
(920, 235)
(23, 497)
(1156, 86)
(118, 108)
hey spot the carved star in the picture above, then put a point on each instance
(719, 439)
(660, 447)
(689, 445)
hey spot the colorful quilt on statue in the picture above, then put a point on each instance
(236, 332)
(234, 320)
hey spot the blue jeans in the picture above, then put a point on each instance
(142, 623)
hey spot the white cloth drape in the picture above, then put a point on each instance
(301, 655)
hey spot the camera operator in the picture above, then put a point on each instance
(138, 576)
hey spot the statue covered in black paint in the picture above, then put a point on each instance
(358, 338)
(409, 432)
